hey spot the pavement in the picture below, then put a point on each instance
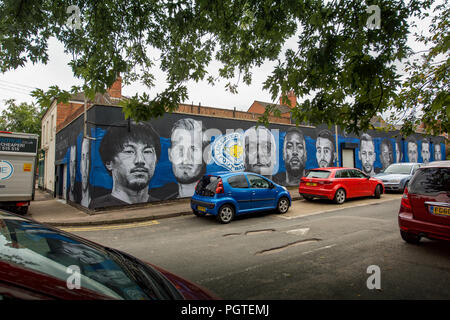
(57, 212)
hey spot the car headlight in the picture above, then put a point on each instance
(284, 188)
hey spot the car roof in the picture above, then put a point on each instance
(437, 164)
(411, 163)
(226, 174)
(333, 168)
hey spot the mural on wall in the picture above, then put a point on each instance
(437, 151)
(425, 150)
(186, 155)
(325, 149)
(260, 151)
(129, 163)
(367, 154)
(413, 154)
(85, 168)
(386, 154)
(129, 154)
(398, 151)
(294, 157)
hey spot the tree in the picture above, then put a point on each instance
(426, 91)
(343, 70)
(22, 117)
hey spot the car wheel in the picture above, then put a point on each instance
(198, 213)
(283, 205)
(339, 196)
(410, 237)
(226, 214)
(377, 193)
(308, 198)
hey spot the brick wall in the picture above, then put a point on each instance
(292, 98)
(115, 91)
(66, 112)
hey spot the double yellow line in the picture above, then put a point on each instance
(112, 226)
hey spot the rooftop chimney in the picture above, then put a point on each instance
(292, 98)
(115, 91)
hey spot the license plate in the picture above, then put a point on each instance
(202, 209)
(312, 184)
(439, 211)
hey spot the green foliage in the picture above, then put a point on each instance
(341, 71)
(22, 117)
(427, 87)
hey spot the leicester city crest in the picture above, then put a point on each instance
(228, 151)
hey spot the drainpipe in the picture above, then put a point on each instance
(337, 146)
(85, 135)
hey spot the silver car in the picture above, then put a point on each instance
(397, 175)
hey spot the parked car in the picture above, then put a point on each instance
(339, 184)
(230, 194)
(425, 206)
(396, 176)
(44, 263)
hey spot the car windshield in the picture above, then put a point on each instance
(322, 174)
(32, 246)
(398, 169)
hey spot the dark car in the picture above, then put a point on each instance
(229, 194)
(41, 262)
(425, 206)
(339, 184)
(397, 175)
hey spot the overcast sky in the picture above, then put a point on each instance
(18, 83)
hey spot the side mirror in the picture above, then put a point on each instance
(271, 185)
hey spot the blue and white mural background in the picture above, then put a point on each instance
(182, 147)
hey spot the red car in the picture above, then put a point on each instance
(339, 184)
(44, 263)
(425, 206)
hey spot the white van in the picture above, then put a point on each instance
(17, 170)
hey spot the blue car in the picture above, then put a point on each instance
(234, 193)
(396, 176)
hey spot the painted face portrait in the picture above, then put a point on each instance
(386, 155)
(260, 156)
(367, 155)
(134, 166)
(412, 152)
(186, 152)
(72, 167)
(324, 152)
(437, 152)
(294, 153)
(398, 152)
(84, 164)
(425, 152)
